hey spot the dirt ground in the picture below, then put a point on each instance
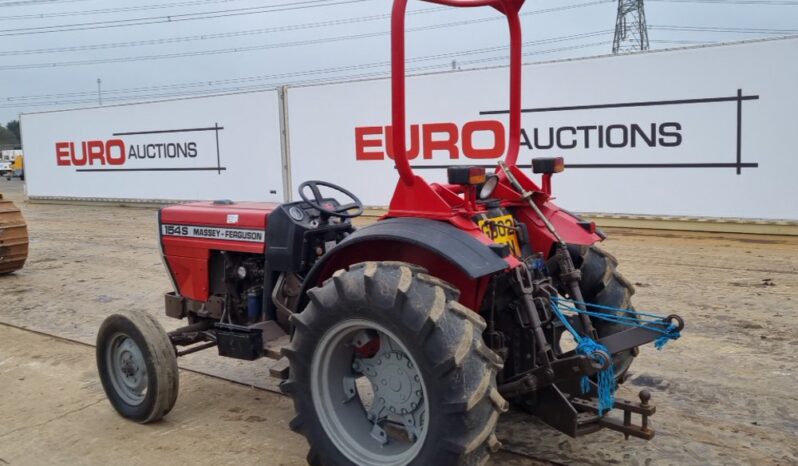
(725, 392)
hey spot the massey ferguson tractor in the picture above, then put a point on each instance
(401, 342)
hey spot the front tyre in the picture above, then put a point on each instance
(137, 366)
(388, 368)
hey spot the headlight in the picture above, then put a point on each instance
(490, 185)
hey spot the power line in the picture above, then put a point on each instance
(683, 42)
(221, 35)
(734, 2)
(270, 30)
(35, 2)
(179, 17)
(329, 70)
(725, 30)
(567, 7)
(351, 77)
(239, 49)
(155, 6)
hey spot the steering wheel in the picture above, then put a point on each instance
(341, 211)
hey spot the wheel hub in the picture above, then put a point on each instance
(382, 417)
(127, 369)
(395, 382)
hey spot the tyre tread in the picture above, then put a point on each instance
(443, 322)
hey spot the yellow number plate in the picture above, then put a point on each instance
(501, 230)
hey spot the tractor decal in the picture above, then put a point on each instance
(230, 234)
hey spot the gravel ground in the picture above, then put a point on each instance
(725, 392)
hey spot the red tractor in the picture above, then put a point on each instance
(401, 342)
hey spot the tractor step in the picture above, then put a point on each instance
(274, 338)
(280, 369)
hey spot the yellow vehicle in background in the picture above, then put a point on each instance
(12, 164)
(18, 167)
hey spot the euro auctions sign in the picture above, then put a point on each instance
(686, 132)
(173, 149)
(376, 142)
(221, 147)
(487, 139)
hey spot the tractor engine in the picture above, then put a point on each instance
(214, 252)
(237, 267)
(238, 279)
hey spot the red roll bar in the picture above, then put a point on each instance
(510, 9)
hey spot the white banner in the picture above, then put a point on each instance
(697, 132)
(220, 147)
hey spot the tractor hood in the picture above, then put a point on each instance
(225, 214)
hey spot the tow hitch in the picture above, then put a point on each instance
(644, 408)
(579, 416)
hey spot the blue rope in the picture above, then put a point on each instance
(648, 321)
(672, 333)
(588, 347)
(610, 308)
(605, 379)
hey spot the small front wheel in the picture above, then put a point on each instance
(137, 366)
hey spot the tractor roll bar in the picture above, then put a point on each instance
(510, 9)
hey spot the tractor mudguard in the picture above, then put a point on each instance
(446, 251)
(458, 247)
(572, 228)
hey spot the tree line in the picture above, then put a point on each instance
(10, 134)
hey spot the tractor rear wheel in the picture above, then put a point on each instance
(137, 366)
(388, 368)
(602, 284)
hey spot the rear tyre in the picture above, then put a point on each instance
(388, 368)
(602, 284)
(137, 366)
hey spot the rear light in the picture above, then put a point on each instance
(548, 165)
(589, 227)
(466, 175)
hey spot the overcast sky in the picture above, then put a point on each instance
(244, 44)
